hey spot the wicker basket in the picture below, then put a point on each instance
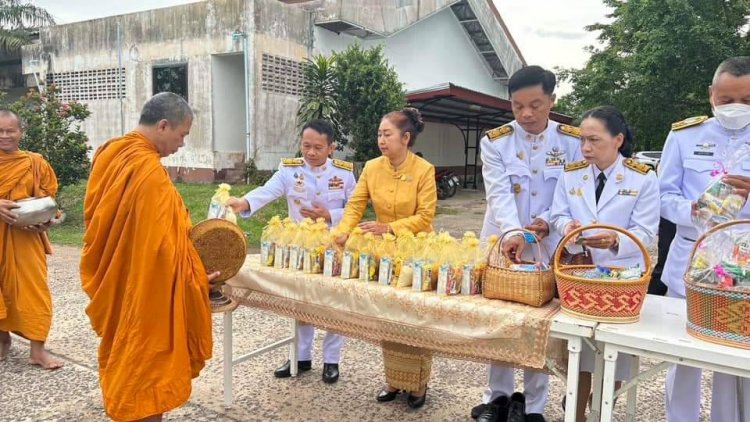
(221, 245)
(715, 314)
(530, 288)
(616, 301)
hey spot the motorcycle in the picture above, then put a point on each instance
(447, 183)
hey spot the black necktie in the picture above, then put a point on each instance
(600, 181)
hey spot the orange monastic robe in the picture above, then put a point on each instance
(148, 288)
(25, 302)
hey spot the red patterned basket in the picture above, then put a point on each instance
(614, 301)
(717, 314)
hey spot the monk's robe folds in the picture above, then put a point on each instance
(148, 288)
(25, 301)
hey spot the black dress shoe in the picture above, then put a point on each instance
(517, 408)
(330, 373)
(285, 370)
(535, 417)
(495, 411)
(415, 402)
(478, 409)
(385, 395)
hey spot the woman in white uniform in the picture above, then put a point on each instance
(606, 188)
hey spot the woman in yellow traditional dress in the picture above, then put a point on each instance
(401, 186)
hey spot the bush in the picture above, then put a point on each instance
(53, 129)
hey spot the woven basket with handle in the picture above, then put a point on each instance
(617, 301)
(716, 314)
(500, 282)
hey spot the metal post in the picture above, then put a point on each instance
(228, 357)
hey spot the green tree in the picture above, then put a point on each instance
(657, 60)
(366, 89)
(53, 129)
(319, 99)
(17, 17)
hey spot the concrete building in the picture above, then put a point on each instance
(238, 62)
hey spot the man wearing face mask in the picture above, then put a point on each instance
(690, 153)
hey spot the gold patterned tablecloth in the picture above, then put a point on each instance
(463, 327)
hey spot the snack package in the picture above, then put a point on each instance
(314, 248)
(405, 253)
(723, 260)
(368, 259)
(424, 266)
(268, 240)
(387, 268)
(218, 207)
(450, 265)
(599, 272)
(281, 257)
(350, 256)
(473, 268)
(297, 245)
(718, 203)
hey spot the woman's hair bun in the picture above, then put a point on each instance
(415, 116)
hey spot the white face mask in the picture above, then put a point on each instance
(733, 116)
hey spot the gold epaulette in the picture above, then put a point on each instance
(291, 162)
(499, 132)
(343, 165)
(692, 121)
(577, 165)
(636, 166)
(569, 130)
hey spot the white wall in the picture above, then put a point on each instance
(431, 52)
(442, 145)
(228, 111)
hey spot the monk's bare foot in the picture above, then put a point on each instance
(41, 357)
(4, 345)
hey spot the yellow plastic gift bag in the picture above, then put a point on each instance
(269, 239)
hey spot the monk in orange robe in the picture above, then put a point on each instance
(25, 301)
(148, 287)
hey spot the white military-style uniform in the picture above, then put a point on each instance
(328, 186)
(520, 171)
(692, 149)
(630, 200)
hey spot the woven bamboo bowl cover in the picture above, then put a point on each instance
(221, 245)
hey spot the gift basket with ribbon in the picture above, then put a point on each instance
(717, 285)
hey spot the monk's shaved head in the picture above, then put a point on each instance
(4, 112)
(165, 106)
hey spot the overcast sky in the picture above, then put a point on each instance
(549, 32)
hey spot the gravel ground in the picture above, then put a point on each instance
(72, 393)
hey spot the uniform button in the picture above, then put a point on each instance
(535, 147)
(533, 216)
(318, 176)
(541, 137)
(535, 171)
(318, 193)
(593, 221)
(528, 136)
(533, 193)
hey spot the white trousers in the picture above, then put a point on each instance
(502, 383)
(683, 394)
(331, 344)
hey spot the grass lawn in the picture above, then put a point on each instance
(196, 197)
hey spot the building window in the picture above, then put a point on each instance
(281, 75)
(173, 78)
(88, 85)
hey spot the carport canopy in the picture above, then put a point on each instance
(471, 112)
